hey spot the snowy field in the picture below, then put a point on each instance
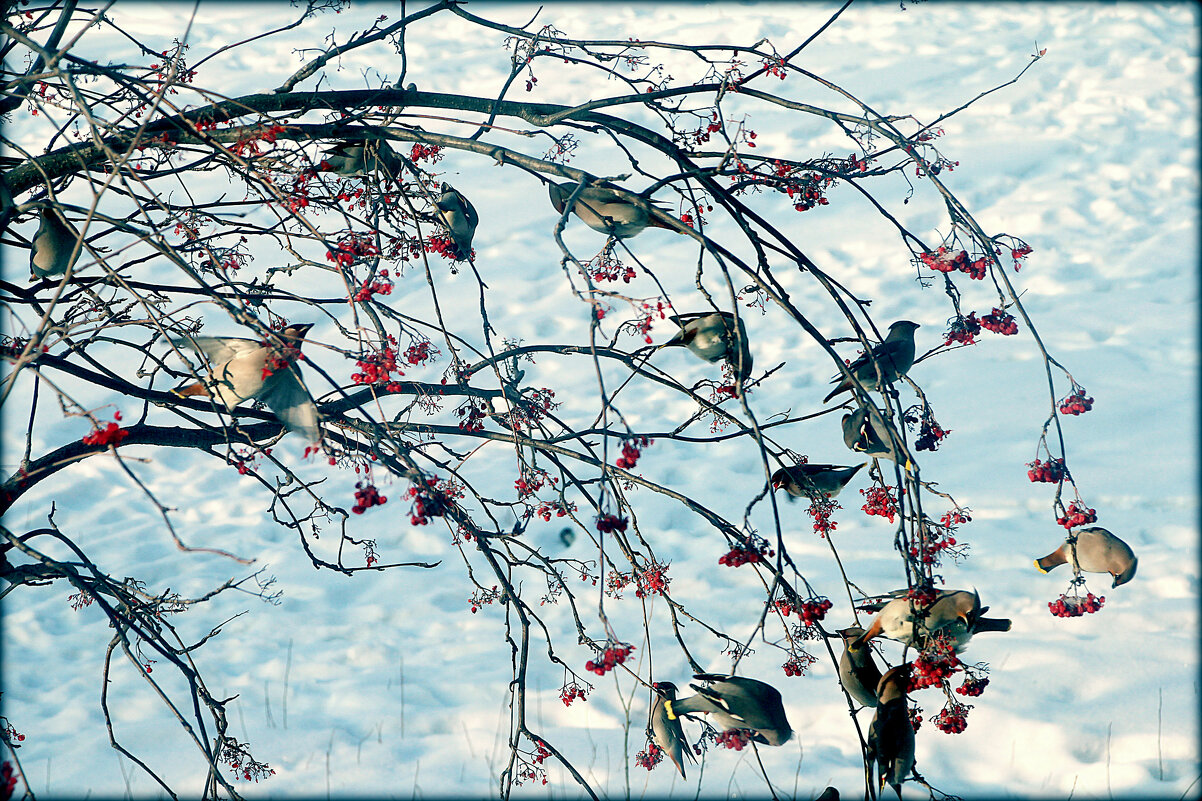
(385, 685)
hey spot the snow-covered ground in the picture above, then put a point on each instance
(385, 684)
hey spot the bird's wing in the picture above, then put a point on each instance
(218, 350)
(290, 402)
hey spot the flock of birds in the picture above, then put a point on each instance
(239, 369)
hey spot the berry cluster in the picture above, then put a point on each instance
(813, 611)
(1075, 606)
(632, 449)
(366, 496)
(560, 509)
(422, 152)
(946, 261)
(806, 192)
(929, 434)
(473, 416)
(973, 686)
(245, 767)
(111, 434)
(608, 268)
(650, 758)
(929, 551)
(734, 738)
(483, 598)
(428, 501)
(541, 753)
(1050, 472)
(445, 246)
(880, 502)
(607, 524)
(245, 461)
(8, 781)
(652, 580)
(352, 248)
(799, 664)
(571, 692)
(756, 550)
(963, 330)
(999, 322)
(821, 510)
(775, 66)
(611, 657)
(421, 351)
(377, 368)
(937, 662)
(952, 719)
(9, 733)
(1076, 403)
(915, 713)
(956, 517)
(277, 359)
(1077, 516)
(380, 286)
(533, 479)
(1019, 253)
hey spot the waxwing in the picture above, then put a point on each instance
(709, 336)
(829, 794)
(607, 208)
(1097, 551)
(858, 671)
(363, 158)
(54, 246)
(666, 732)
(736, 702)
(803, 480)
(863, 433)
(894, 357)
(241, 369)
(956, 615)
(890, 735)
(460, 217)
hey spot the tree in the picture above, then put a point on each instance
(160, 200)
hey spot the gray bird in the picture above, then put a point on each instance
(53, 251)
(709, 335)
(890, 735)
(956, 615)
(858, 671)
(1097, 551)
(460, 218)
(363, 158)
(666, 732)
(241, 369)
(804, 480)
(894, 357)
(607, 208)
(736, 702)
(863, 433)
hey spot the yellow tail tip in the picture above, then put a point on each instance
(1038, 567)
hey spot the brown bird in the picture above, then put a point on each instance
(890, 735)
(460, 217)
(607, 208)
(805, 480)
(956, 615)
(863, 433)
(737, 702)
(1097, 551)
(713, 336)
(894, 357)
(666, 732)
(858, 672)
(363, 158)
(54, 245)
(241, 369)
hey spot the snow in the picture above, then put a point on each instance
(385, 685)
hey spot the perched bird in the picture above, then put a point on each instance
(241, 369)
(1097, 551)
(956, 615)
(858, 671)
(362, 158)
(863, 433)
(607, 208)
(709, 335)
(804, 480)
(666, 731)
(890, 735)
(894, 357)
(829, 794)
(53, 251)
(737, 702)
(460, 217)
